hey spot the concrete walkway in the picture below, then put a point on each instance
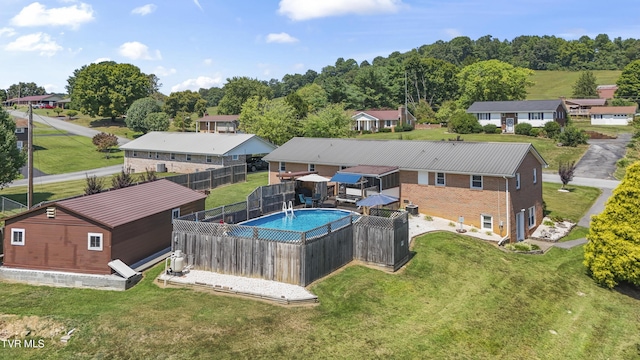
(47, 179)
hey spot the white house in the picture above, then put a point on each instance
(374, 120)
(507, 114)
(612, 115)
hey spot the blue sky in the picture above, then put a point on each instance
(190, 44)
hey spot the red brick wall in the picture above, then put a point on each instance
(528, 195)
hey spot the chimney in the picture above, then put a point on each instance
(403, 115)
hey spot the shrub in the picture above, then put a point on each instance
(385, 130)
(452, 224)
(398, 129)
(566, 170)
(535, 132)
(498, 130)
(572, 137)
(474, 230)
(489, 129)
(522, 246)
(552, 129)
(104, 142)
(463, 123)
(548, 223)
(428, 218)
(407, 127)
(489, 233)
(363, 132)
(71, 113)
(523, 129)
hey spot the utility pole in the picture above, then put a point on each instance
(30, 158)
(405, 98)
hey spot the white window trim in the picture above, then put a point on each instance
(209, 159)
(532, 214)
(444, 179)
(157, 156)
(14, 231)
(187, 157)
(20, 144)
(476, 187)
(234, 157)
(282, 166)
(19, 130)
(175, 213)
(517, 181)
(482, 222)
(535, 175)
(134, 153)
(95, 248)
(311, 167)
(172, 156)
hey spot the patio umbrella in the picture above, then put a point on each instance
(377, 199)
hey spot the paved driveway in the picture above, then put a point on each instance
(599, 162)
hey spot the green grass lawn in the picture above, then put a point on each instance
(552, 153)
(457, 298)
(554, 84)
(570, 205)
(70, 153)
(233, 193)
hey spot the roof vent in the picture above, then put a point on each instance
(51, 212)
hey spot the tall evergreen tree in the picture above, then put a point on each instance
(585, 87)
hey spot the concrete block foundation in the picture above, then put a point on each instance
(68, 279)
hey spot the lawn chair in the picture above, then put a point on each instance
(307, 201)
(317, 199)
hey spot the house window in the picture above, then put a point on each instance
(387, 123)
(208, 158)
(517, 181)
(94, 241)
(135, 153)
(440, 179)
(311, 167)
(157, 156)
(20, 144)
(19, 130)
(532, 216)
(282, 166)
(484, 116)
(487, 222)
(535, 175)
(172, 156)
(150, 154)
(188, 157)
(17, 236)
(423, 178)
(536, 116)
(175, 213)
(234, 157)
(476, 181)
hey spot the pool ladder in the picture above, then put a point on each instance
(288, 211)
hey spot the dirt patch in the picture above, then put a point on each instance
(13, 326)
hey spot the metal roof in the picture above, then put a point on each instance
(587, 102)
(514, 106)
(219, 118)
(478, 158)
(200, 143)
(370, 170)
(116, 207)
(21, 123)
(624, 110)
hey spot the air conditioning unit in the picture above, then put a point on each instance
(161, 168)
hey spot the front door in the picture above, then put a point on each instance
(509, 125)
(520, 226)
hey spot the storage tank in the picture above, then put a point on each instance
(177, 262)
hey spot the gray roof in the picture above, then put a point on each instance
(200, 143)
(462, 157)
(514, 106)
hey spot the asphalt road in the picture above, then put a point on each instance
(599, 162)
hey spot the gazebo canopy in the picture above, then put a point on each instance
(313, 178)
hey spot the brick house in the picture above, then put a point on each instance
(582, 107)
(495, 187)
(507, 114)
(374, 120)
(191, 152)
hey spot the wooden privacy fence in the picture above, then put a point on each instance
(210, 179)
(290, 256)
(268, 199)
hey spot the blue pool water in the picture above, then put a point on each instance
(304, 220)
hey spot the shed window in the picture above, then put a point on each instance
(95, 241)
(476, 181)
(440, 179)
(17, 236)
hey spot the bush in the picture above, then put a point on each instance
(385, 130)
(523, 129)
(498, 130)
(398, 129)
(535, 132)
(463, 123)
(71, 113)
(522, 246)
(489, 129)
(407, 127)
(572, 137)
(552, 129)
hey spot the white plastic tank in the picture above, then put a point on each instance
(177, 261)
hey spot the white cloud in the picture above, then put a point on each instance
(310, 9)
(452, 33)
(197, 83)
(135, 50)
(7, 31)
(40, 42)
(207, 61)
(99, 60)
(51, 88)
(298, 66)
(144, 10)
(37, 14)
(162, 71)
(197, 4)
(281, 38)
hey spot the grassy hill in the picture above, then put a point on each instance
(554, 84)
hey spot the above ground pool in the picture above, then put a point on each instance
(302, 219)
